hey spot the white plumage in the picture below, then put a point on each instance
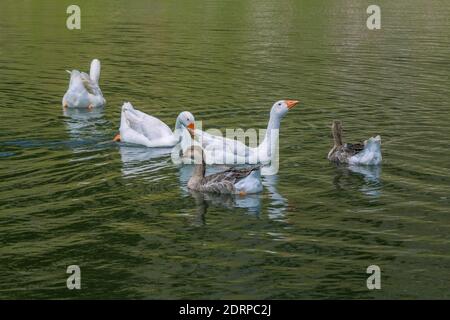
(84, 91)
(140, 128)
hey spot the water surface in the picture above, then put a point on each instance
(68, 195)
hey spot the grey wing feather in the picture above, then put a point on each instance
(224, 181)
(218, 187)
(90, 85)
(346, 151)
(353, 148)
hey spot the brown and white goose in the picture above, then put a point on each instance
(367, 153)
(234, 180)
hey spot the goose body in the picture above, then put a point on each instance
(137, 127)
(232, 181)
(221, 150)
(366, 153)
(84, 91)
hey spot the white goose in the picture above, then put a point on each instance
(83, 91)
(140, 128)
(226, 151)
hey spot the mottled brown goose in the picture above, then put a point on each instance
(367, 153)
(234, 180)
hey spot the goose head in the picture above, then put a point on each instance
(281, 108)
(187, 120)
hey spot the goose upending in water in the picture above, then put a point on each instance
(84, 91)
(367, 153)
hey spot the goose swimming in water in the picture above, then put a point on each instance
(140, 128)
(232, 181)
(367, 153)
(84, 91)
(221, 150)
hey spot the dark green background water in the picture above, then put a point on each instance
(68, 195)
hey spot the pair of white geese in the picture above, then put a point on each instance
(139, 128)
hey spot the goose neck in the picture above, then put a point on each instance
(272, 131)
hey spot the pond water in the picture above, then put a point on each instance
(69, 195)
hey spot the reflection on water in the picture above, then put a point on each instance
(278, 203)
(83, 115)
(204, 200)
(86, 128)
(372, 185)
(136, 159)
(365, 178)
(68, 194)
(252, 203)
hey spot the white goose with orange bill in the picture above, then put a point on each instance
(228, 151)
(139, 128)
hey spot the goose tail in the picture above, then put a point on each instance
(371, 154)
(94, 72)
(251, 183)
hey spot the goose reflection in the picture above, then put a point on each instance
(229, 201)
(136, 160)
(371, 185)
(278, 203)
(82, 117)
(84, 128)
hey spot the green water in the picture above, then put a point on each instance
(68, 195)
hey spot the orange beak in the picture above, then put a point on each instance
(117, 138)
(291, 103)
(65, 105)
(191, 129)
